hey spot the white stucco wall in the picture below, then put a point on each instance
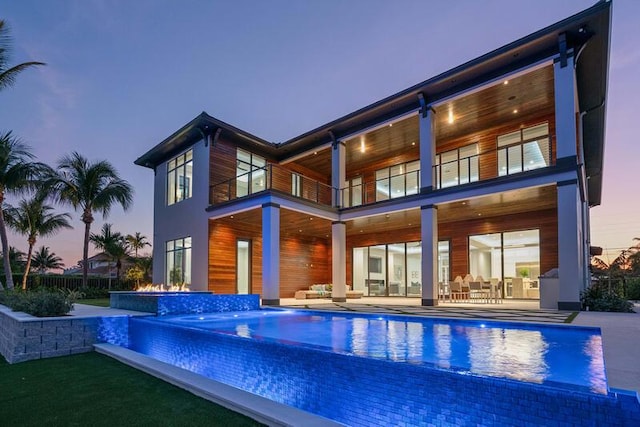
(187, 218)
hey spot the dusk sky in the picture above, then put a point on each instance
(123, 75)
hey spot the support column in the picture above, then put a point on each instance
(270, 254)
(427, 149)
(338, 171)
(339, 261)
(429, 233)
(570, 270)
(566, 104)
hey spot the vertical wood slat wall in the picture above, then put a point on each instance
(304, 260)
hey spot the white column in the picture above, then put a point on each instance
(429, 233)
(570, 270)
(270, 254)
(338, 171)
(427, 150)
(339, 261)
(566, 103)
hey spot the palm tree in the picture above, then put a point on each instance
(88, 187)
(34, 218)
(43, 260)
(17, 174)
(137, 241)
(113, 244)
(16, 259)
(8, 74)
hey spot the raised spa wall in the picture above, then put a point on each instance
(24, 337)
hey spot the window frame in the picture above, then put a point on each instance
(176, 173)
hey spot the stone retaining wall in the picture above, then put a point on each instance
(24, 337)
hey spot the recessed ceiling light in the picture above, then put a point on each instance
(390, 124)
(310, 218)
(387, 215)
(300, 231)
(361, 231)
(479, 214)
(315, 152)
(231, 217)
(413, 143)
(506, 82)
(515, 111)
(464, 203)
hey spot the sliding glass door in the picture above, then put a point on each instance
(513, 257)
(395, 269)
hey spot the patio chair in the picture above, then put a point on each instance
(456, 291)
(477, 292)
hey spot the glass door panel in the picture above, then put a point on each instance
(377, 270)
(360, 273)
(414, 269)
(243, 267)
(396, 255)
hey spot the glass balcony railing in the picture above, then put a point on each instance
(271, 177)
(387, 188)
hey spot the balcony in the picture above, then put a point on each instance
(271, 177)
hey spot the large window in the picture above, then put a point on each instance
(178, 263)
(513, 257)
(395, 269)
(179, 178)
(250, 173)
(352, 194)
(459, 166)
(398, 181)
(524, 150)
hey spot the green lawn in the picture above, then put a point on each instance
(101, 302)
(94, 390)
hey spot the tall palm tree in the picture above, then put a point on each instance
(137, 241)
(113, 244)
(43, 260)
(34, 218)
(8, 73)
(88, 187)
(17, 174)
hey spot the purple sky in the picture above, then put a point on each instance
(123, 75)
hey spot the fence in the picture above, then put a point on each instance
(56, 281)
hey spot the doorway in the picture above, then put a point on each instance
(243, 266)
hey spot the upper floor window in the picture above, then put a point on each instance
(458, 166)
(179, 178)
(524, 150)
(398, 181)
(250, 173)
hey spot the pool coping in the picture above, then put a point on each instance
(253, 406)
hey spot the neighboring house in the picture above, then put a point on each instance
(101, 265)
(489, 169)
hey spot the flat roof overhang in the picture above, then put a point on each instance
(587, 32)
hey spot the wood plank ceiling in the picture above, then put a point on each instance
(522, 97)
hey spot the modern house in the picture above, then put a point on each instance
(487, 169)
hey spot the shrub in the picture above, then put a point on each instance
(598, 298)
(633, 289)
(40, 303)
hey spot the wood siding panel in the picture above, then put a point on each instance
(304, 259)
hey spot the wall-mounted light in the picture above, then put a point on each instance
(362, 148)
(450, 120)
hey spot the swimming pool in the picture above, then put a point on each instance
(520, 352)
(367, 370)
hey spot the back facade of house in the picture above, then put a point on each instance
(488, 169)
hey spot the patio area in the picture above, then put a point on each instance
(509, 310)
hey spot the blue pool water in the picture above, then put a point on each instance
(367, 370)
(558, 356)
